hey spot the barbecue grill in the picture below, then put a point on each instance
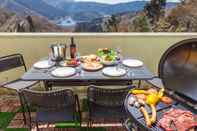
(178, 72)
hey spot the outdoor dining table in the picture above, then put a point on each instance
(84, 78)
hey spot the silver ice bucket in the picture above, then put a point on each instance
(58, 52)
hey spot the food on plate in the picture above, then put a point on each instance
(70, 62)
(91, 62)
(89, 58)
(179, 119)
(107, 55)
(166, 100)
(92, 66)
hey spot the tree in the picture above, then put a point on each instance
(140, 24)
(112, 24)
(155, 9)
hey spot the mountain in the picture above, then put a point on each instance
(57, 3)
(42, 8)
(54, 9)
(10, 22)
(125, 21)
(76, 7)
(33, 7)
(17, 8)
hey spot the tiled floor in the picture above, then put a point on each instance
(17, 122)
(11, 104)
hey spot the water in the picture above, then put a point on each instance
(66, 22)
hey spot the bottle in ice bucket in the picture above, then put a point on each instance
(73, 49)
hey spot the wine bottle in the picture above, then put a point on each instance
(73, 49)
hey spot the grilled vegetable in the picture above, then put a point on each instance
(139, 92)
(141, 96)
(146, 117)
(154, 114)
(152, 99)
(166, 100)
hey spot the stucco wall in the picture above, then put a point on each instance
(148, 48)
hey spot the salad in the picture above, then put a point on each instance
(107, 55)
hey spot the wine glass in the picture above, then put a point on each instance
(119, 51)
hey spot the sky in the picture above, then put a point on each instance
(120, 1)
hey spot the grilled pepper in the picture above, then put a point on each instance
(139, 92)
(152, 101)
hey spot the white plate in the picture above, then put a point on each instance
(114, 71)
(132, 63)
(63, 72)
(43, 64)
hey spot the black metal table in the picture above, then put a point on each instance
(83, 77)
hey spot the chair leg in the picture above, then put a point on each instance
(37, 126)
(23, 108)
(88, 125)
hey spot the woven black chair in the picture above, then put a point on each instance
(11, 62)
(53, 106)
(107, 104)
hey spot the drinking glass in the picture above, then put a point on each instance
(119, 51)
(50, 58)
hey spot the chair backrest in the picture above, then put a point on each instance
(11, 61)
(107, 97)
(49, 100)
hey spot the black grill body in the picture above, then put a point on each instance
(178, 72)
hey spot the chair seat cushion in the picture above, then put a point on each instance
(20, 84)
(55, 116)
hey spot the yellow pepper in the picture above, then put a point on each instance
(153, 99)
(139, 92)
(161, 93)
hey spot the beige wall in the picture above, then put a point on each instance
(148, 48)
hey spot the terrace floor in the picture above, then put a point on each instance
(10, 104)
